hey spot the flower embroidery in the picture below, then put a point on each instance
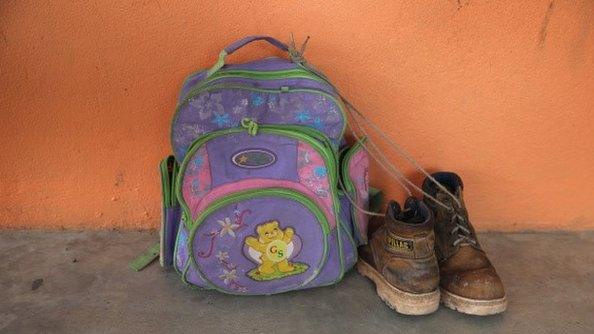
(207, 104)
(321, 100)
(198, 162)
(227, 227)
(318, 124)
(320, 172)
(313, 173)
(302, 116)
(241, 107)
(195, 187)
(193, 129)
(237, 110)
(222, 256)
(256, 99)
(303, 159)
(321, 192)
(228, 276)
(271, 106)
(221, 120)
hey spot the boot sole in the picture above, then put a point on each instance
(473, 306)
(400, 301)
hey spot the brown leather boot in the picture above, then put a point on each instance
(468, 280)
(400, 259)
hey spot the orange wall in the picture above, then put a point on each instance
(500, 91)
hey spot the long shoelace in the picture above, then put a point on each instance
(461, 229)
(359, 132)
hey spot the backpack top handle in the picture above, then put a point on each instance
(241, 43)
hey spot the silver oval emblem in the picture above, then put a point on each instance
(253, 158)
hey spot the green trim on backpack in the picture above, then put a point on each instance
(146, 258)
(218, 65)
(169, 168)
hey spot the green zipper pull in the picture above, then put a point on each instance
(250, 125)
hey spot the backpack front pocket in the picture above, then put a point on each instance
(260, 206)
(260, 241)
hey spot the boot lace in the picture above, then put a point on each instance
(461, 229)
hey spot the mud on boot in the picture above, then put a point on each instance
(400, 259)
(468, 280)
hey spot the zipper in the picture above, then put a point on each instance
(253, 193)
(257, 75)
(326, 150)
(277, 192)
(270, 75)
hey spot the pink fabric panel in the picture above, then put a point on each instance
(243, 185)
(313, 173)
(359, 174)
(197, 180)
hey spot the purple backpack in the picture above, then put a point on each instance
(261, 201)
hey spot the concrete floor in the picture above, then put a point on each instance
(79, 282)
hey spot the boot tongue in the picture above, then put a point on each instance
(409, 215)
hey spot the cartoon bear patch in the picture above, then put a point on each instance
(272, 250)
